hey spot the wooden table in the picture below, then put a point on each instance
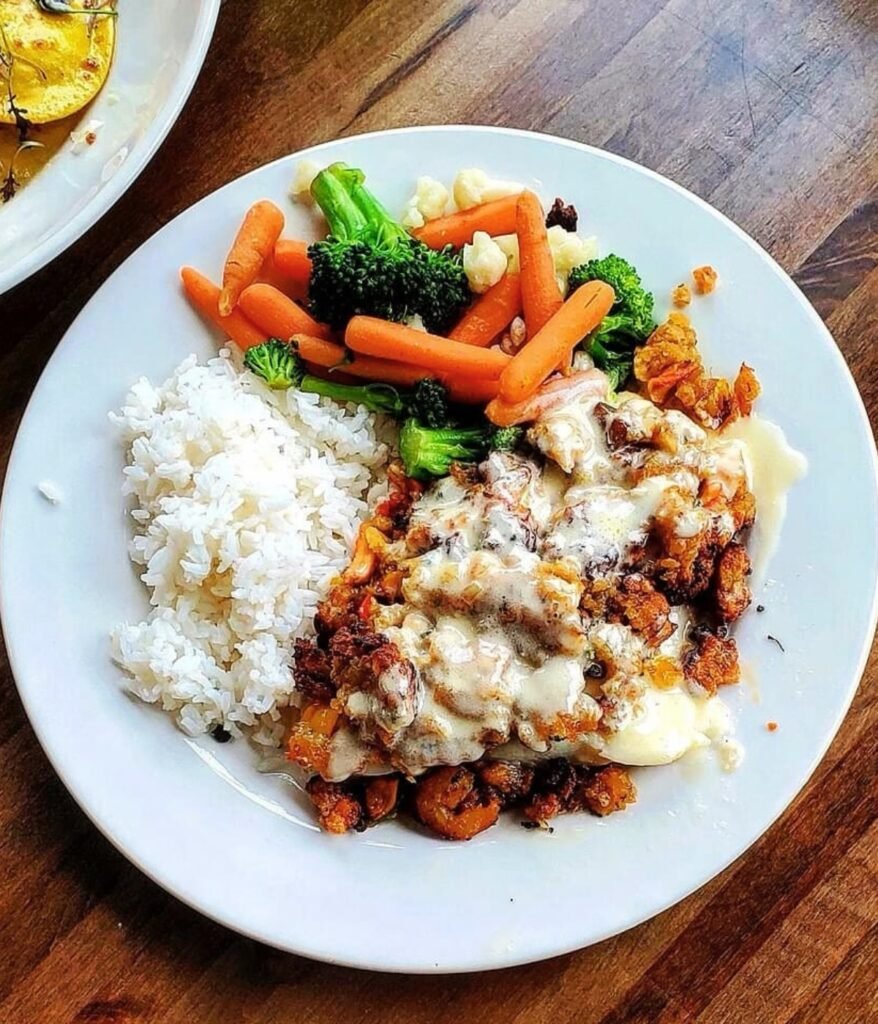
(768, 109)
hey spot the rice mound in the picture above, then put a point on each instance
(247, 502)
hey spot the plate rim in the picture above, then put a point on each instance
(363, 962)
(94, 210)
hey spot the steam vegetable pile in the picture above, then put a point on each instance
(531, 550)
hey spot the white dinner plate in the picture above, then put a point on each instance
(243, 847)
(160, 47)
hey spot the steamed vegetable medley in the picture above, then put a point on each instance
(463, 325)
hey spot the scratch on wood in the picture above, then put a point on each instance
(744, 72)
(412, 63)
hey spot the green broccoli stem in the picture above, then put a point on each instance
(385, 230)
(331, 191)
(379, 227)
(376, 397)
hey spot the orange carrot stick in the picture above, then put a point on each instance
(496, 217)
(579, 315)
(327, 354)
(204, 296)
(276, 314)
(253, 243)
(490, 314)
(540, 295)
(552, 395)
(291, 259)
(318, 350)
(401, 374)
(373, 337)
(471, 392)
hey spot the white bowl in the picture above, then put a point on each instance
(160, 47)
(243, 847)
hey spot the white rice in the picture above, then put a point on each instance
(246, 502)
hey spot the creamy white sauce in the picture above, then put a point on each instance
(666, 725)
(491, 621)
(605, 522)
(731, 753)
(773, 466)
(573, 439)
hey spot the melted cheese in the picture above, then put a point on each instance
(665, 725)
(491, 621)
(773, 466)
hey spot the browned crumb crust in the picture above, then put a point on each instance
(746, 389)
(670, 368)
(684, 565)
(561, 788)
(354, 804)
(311, 672)
(454, 803)
(609, 789)
(681, 296)
(359, 656)
(705, 279)
(337, 806)
(730, 589)
(563, 215)
(638, 604)
(712, 662)
(460, 801)
(743, 508)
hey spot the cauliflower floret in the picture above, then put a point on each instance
(428, 203)
(473, 186)
(509, 245)
(484, 262)
(415, 322)
(582, 361)
(569, 251)
(300, 189)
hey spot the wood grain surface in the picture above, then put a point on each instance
(766, 108)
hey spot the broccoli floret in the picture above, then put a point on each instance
(505, 439)
(629, 322)
(428, 403)
(428, 452)
(632, 312)
(370, 264)
(277, 363)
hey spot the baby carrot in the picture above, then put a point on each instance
(254, 242)
(318, 350)
(496, 217)
(490, 314)
(276, 314)
(204, 296)
(471, 392)
(552, 395)
(327, 354)
(373, 337)
(291, 259)
(540, 295)
(578, 316)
